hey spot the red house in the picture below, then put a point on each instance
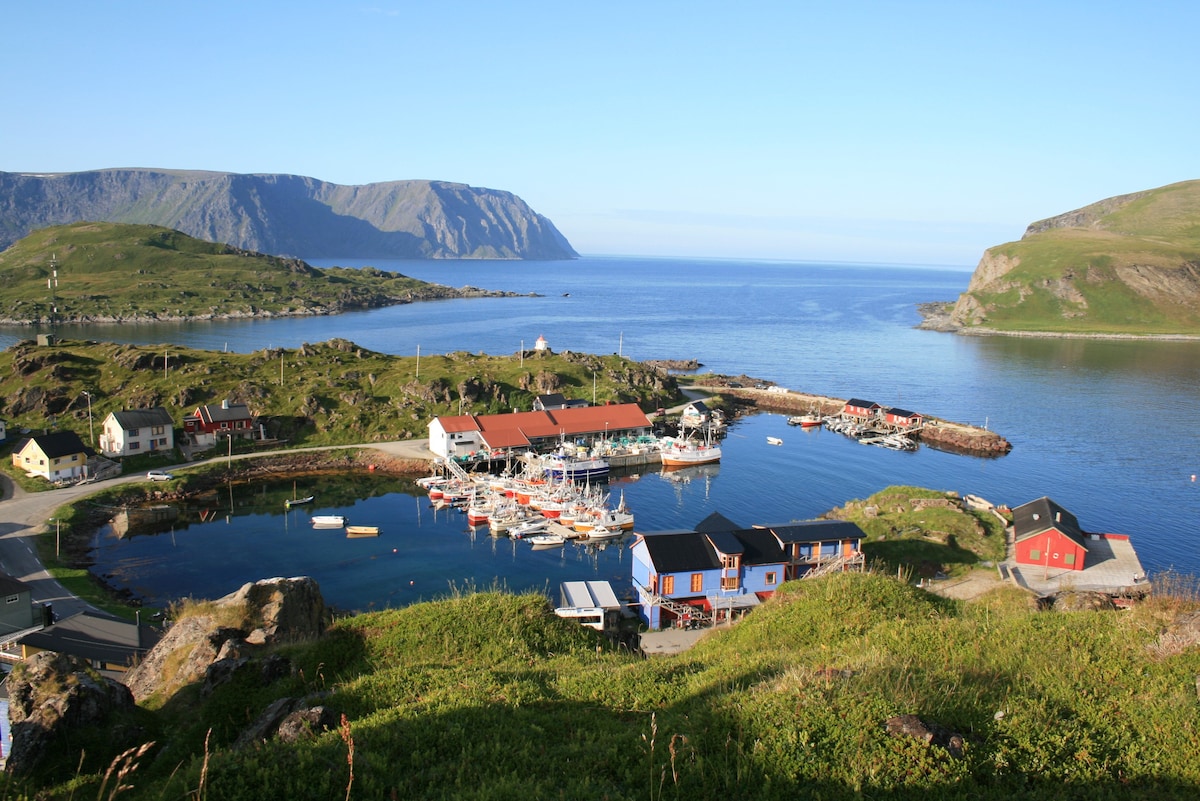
(209, 423)
(1047, 535)
(862, 409)
(902, 418)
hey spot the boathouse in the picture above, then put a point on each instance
(540, 431)
(1047, 535)
(721, 570)
(861, 409)
(903, 419)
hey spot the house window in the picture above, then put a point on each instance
(133, 432)
(224, 426)
(772, 578)
(1069, 559)
(133, 446)
(1035, 554)
(156, 430)
(75, 457)
(668, 585)
(730, 583)
(697, 582)
(12, 599)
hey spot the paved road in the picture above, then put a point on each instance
(25, 515)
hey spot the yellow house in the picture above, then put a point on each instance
(60, 456)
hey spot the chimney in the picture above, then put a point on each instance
(225, 403)
(1058, 517)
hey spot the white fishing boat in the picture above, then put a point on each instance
(602, 532)
(774, 441)
(328, 521)
(680, 452)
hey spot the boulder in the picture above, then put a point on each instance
(50, 695)
(204, 647)
(928, 733)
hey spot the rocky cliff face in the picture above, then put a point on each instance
(210, 646)
(289, 215)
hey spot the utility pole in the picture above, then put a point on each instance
(91, 430)
(52, 285)
(418, 375)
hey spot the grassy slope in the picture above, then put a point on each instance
(331, 393)
(111, 270)
(490, 696)
(1159, 229)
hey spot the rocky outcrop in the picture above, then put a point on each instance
(289, 214)
(216, 640)
(289, 720)
(50, 695)
(928, 733)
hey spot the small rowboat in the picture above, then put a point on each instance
(298, 501)
(774, 441)
(328, 521)
(362, 531)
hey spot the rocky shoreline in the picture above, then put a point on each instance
(436, 293)
(938, 316)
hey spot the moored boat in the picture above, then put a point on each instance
(679, 452)
(545, 540)
(328, 521)
(774, 441)
(362, 531)
(805, 420)
(290, 502)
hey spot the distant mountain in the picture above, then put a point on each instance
(289, 215)
(1125, 265)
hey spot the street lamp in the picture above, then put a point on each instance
(91, 430)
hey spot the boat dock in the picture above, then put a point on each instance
(1113, 568)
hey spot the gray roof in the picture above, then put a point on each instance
(131, 419)
(816, 531)
(97, 637)
(12, 586)
(1035, 517)
(217, 413)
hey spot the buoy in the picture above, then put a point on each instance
(411, 583)
(393, 550)
(1193, 477)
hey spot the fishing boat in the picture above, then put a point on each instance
(290, 502)
(574, 468)
(602, 532)
(680, 452)
(328, 521)
(362, 531)
(774, 441)
(805, 420)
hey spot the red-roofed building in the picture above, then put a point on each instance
(463, 435)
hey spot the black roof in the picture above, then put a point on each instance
(96, 637)
(717, 522)
(725, 542)
(902, 412)
(60, 443)
(130, 419)
(677, 552)
(759, 547)
(12, 586)
(866, 404)
(816, 530)
(1035, 517)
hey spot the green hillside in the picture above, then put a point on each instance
(119, 272)
(1126, 265)
(490, 696)
(329, 393)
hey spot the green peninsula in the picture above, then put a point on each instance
(98, 272)
(1125, 266)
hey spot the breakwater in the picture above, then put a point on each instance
(936, 433)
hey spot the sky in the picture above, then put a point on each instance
(880, 132)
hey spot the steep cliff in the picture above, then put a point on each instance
(289, 215)
(1127, 265)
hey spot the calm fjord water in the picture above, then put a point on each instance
(1104, 427)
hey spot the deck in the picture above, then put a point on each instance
(1112, 568)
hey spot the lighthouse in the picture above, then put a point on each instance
(541, 343)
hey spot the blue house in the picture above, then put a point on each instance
(720, 570)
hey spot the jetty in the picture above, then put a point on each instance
(879, 420)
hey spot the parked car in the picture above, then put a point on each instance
(159, 475)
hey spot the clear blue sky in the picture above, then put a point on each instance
(906, 132)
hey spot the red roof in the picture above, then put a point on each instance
(517, 429)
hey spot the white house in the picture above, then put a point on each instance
(136, 431)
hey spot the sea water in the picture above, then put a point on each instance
(1104, 427)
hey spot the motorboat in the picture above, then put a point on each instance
(328, 521)
(774, 441)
